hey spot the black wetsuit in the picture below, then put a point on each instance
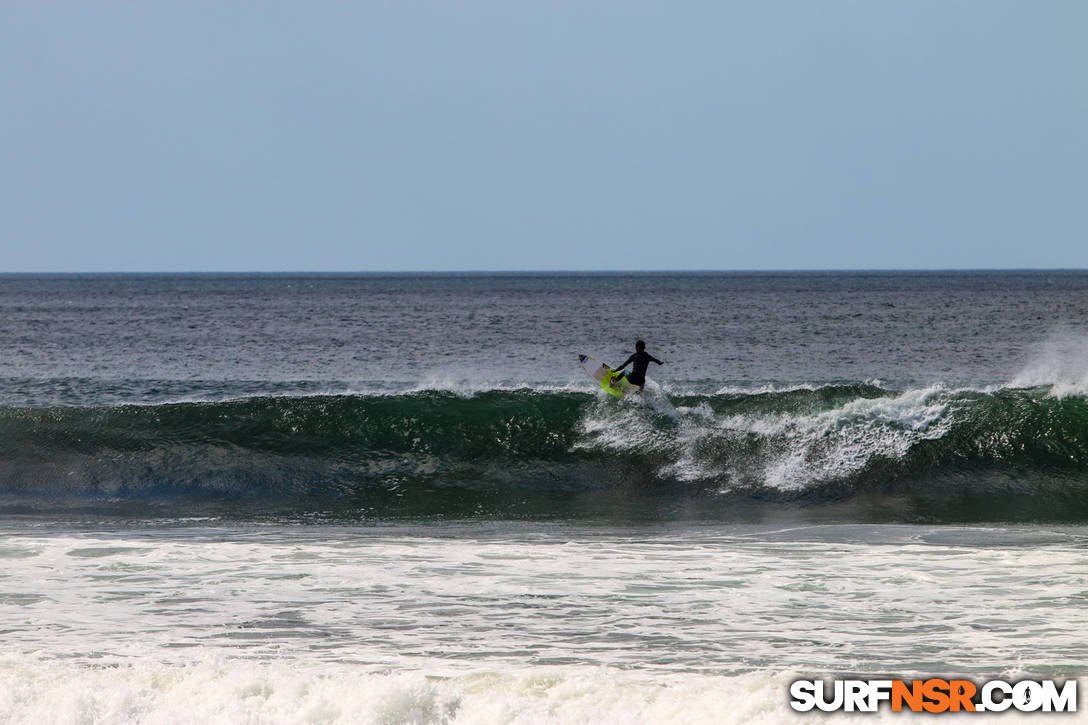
(642, 360)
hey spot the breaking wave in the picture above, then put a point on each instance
(856, 451)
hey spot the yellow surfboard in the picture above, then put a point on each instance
(602, 373)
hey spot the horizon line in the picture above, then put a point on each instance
(434, 272)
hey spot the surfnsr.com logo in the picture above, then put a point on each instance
(934, 695)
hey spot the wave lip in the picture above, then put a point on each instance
(555, 453)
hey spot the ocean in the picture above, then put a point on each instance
(398, 498)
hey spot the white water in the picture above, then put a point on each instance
(810, 447)
(502, 623)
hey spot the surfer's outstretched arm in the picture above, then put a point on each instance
(625, 364)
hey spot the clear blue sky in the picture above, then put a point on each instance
(553, 135)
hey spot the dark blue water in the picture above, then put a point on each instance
(844, 396)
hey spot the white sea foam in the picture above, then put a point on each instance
(330, 626)
(230, 692)
(214, 692)
(479, 625)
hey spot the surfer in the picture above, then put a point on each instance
(641, 360)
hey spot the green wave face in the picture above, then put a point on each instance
(848, 452)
